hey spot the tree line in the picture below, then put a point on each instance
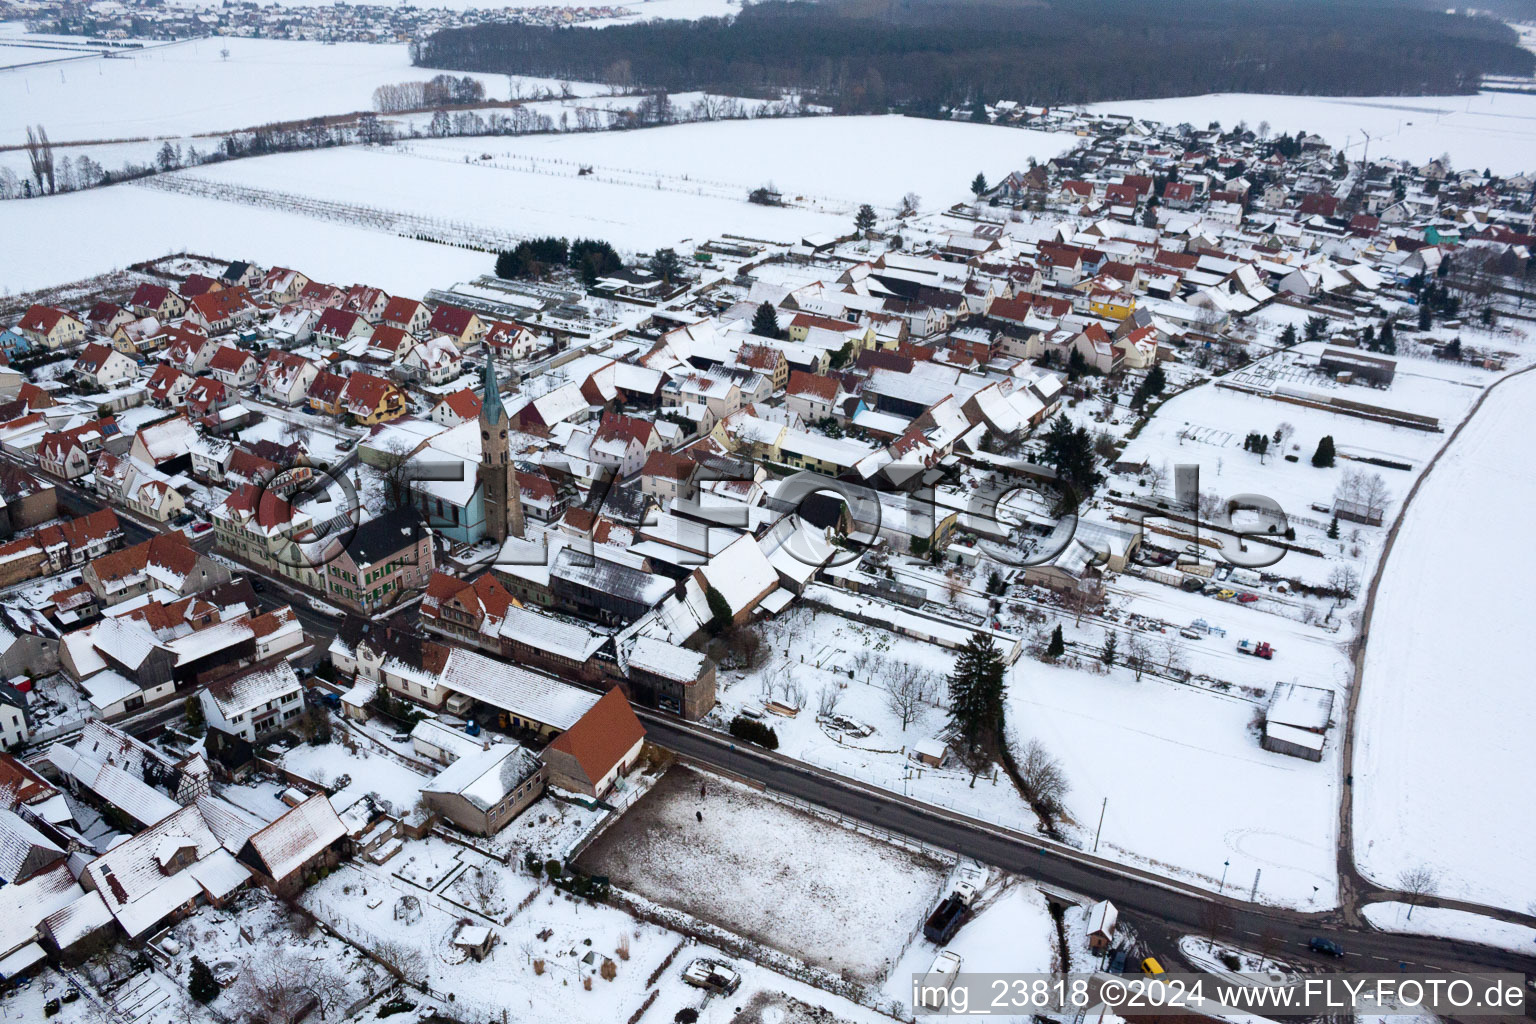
(858, 56)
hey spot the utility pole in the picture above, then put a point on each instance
(1254, 895)
(1224, 865)
(1100, 830)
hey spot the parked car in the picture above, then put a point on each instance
(939, 980)
(183, 519)
(201, 527)
(1151, 966)
(1318, 944)
(1246, 598)
(258, 585)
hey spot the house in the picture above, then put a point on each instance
(68, 453)
(930, 752)
(366, 301)
(319, 296)
(285, 853)
(456, 407)
(433, 362)
(168, 387)
(15, 731)
(282, 286)
(207, 395)
(336, 327)
(286, 377)
(437, 741)
(25, 500)
(104, 367)
(406, 314)
(593, 756)
(164, 562)
(325, 391)
(388, 344)
(234, 367)
(255, 702)
(106, 317)
(386, 559)
(483, 791)
(667, 477)
(509, 341)
(464, 327)
(240, 273)
(158, 301)
(49, 328)
(222, 310)
(812, 398)
(370, 400)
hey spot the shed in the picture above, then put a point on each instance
(475, 940)
(1101, 925)
(1296, 721)
(930, 752)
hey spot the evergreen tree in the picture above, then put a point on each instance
(201, 984)
(1324, 454)
(193, 709)
(1057, 646)
(979, 109)
(666, 264)
(996, 585)
(976, 690)
(593, 258)
(1070, 452)
(1288, 336)
(1333, 528)
(1111, 645)
(1387, 339)
(765, 321)
(1156, 381)
(978, 184)
(719, 610)
(1368, 338)
(865, 219)
(1426, 318)
(1315, 327)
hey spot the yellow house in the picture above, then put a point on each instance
(46, 327)
(1112, 305)
(862, 335)
(371, 400)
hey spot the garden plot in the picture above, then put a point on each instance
(834, 898)
(815, 656)
(546, 963)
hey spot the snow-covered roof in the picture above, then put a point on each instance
(515, 690)
(485, 777)
(303, 833)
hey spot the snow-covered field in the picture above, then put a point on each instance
(123, 224)
(1447, 704)
(1493, 130)
(189, 87)
(649, 195)
(835, 898)
(1450, 924)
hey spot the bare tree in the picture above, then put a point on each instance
(910, 203)
(953, 585)
(1173, 656)
(40, 156)
(404, 961)
(827, 699)
(1418, 883)
(397, 472)
(1156, 475)
(281, 987)
(1344, 581)
(297, 432)
(1138, 653)
(1210, 506)
(1044, 779)
(1078, 601)
(909, 689)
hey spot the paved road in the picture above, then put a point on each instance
(1159, 910)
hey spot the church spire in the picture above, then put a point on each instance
(491, 409)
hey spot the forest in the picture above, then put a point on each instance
(923, 56)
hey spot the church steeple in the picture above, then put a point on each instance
(491, 410)
(502, 496)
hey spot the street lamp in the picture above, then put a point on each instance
(1224, 865)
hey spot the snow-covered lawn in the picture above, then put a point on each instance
(1447, 706)
(837, 899)
(1494, 130)
(1451, 924)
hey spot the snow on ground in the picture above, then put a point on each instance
(1446, 706)
(1495, 130)
(835, 898)
(1011, 933)
(536, 968)
(708, 154)
(825, 649)
(1451, 924)
(126, 224)
(189, 87)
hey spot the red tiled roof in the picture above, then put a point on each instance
(813, 385)
(601, 737)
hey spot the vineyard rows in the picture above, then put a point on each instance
(441, 230)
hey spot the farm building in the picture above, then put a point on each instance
(1296, 721)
